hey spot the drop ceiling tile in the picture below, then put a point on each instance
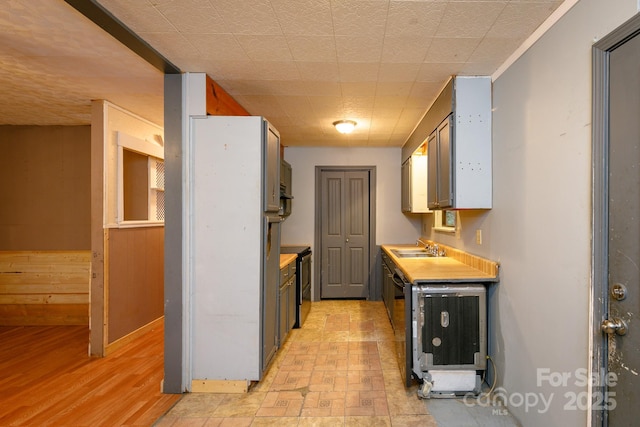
(520, 20)
(189, 17)
(281, 122)
(276, 70)
(312, 48)
(426, 90)
(139, 16)
(405, 49)
(89, 67)
(41, 18)
(265, 47)
(390, 101)
(358, 88)
(382, 126)
(361, 102)
(360, 18)
(437, 72)
(359, 49)
(326, 71)
(258, 18)
(294, 105)
(451, 50)
(414, 18)
(304, 17)
(372, 60)
(263, 103)
(479, 68)
(357, 113)
(228, 70)
(379, 141)
(394, 89)
(408, 120)
(468, 19)
(23, 42)
(406, 72)
(171, 44)
(495, 49)
(326, 102)
(358, 72)
(306, 88)
(222, 47)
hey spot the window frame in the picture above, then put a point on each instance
(154, 153)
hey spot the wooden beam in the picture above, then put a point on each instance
(220, 103)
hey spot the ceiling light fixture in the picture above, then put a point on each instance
(345, 126)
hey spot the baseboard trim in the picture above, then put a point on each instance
(121, 342)
(220, 386)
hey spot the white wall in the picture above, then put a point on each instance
(392, 226)
(541, 219)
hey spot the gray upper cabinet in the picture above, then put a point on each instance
(440, 194)
(272, 169)
(285, 176)
(458, 132)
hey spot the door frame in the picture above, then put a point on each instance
(599, 298)
(317, 251)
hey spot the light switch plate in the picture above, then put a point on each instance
(479, 236)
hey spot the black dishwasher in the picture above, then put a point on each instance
(303, 280)
(397, 298)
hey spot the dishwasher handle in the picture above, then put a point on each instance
(402, 281)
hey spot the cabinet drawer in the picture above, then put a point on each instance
(285, 273)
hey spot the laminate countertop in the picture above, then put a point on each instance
(286, 259)
(456, 267)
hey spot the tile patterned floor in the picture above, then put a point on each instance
(338, 370)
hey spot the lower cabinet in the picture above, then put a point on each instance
(287, 303)
(388, 291)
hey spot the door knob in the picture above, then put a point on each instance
(615, 325)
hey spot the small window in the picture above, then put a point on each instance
(445, 221)
(135, 186)
(140, 181)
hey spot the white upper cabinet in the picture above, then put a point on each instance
(458, 132)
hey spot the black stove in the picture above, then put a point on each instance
(290, 249)
(303, 280)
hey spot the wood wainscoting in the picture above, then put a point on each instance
(44, 287)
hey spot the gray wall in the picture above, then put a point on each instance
(392, 226)
(541, 221)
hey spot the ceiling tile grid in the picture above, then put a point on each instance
(302, 64)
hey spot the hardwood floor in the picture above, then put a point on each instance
(47, 378)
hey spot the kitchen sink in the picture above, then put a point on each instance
(412, 253)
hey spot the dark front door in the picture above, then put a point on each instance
(617, 213)
(345, 215)
(624, 231)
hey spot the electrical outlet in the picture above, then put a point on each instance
(479, 236)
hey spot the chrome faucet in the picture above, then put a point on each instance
(434, 250)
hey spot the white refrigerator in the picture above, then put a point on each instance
(235, 247)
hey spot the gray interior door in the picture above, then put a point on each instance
(345, 210)
(624, 236)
